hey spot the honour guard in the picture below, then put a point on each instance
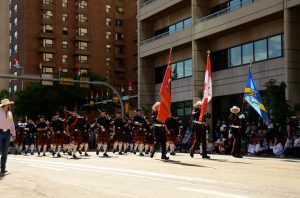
(103, 124)
(172, 127)
(138, 135)
(119, 133)
(235, 119)
(57, 129)
(199, 131)
(42, 135)
(160, 133)
(30, 131)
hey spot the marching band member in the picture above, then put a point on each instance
(85, 135)
(72, 130)
(30, 130)
(171, 127)
(42, 135)
(119, 133)
(103, 124)
(128, 135)
(139, 136)
(57, 128)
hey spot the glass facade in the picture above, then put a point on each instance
(175, 27)
(260, 50)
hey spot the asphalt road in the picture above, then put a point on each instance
(135, 176)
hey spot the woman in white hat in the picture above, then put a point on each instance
(199, 131)
(235, 124)
(7, 130)
(160, 133)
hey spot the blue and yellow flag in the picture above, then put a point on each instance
(251, 95)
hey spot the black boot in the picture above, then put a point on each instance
(97, 152)
(164, 157)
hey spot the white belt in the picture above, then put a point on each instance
(197, 122)
(234, 126)
(4, 130)
(159, 125)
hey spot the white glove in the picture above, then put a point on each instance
(242, 116)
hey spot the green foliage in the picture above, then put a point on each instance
(4, 94)
(278, 106)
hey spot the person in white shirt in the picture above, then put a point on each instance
(7, 130)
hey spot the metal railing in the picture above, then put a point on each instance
(225, 11)
(160, 36)
(146, 3)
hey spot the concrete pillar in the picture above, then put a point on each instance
(4, 42)
(292, 53)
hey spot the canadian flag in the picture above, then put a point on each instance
(207, 93)
(16, 61)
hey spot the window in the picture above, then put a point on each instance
(64, 17)
(187, 22)
(47, 1)
(82, 31)
(15, 21)
(15, 48)
(235, 56)
(15, 88)
(119, 49)
(275, 46)
(108, 48)
(82, 18)
(108, 8)
(179, 26)
(65, 31)
(64, 70)
(47, 70)
(15, 35)
(10, 39)
(64, 3)
(119, 36)
(83, 59)
(260, 48)
(82, 4)
(119, 23)
(247, 51)
(47, 14)
(65, 44)
(108, 62)
(15, 8)
(47, 57)
(48, 43)
(83, 71)
(120, 10)
(119, 62)
(108, 36)
(64, 58)
(47, 29)
(82, 45)
(188, 68)
(108, 21)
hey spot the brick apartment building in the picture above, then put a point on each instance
(74, 36)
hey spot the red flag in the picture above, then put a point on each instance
(207, 93)
(165, 94)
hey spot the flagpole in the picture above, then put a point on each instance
(250, 65)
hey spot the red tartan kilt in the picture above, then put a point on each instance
(103, 137)
(57, 139)
(66, 139)
(19, 140)
(42, 139)
(139, 136)
(119, 136)
(149, 139)
(171, 137)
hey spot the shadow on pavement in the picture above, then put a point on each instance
(182, 163)
(226, 161)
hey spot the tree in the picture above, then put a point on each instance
(4, 94)
(278, 107)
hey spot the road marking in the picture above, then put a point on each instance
(212, 192)
(46, 167)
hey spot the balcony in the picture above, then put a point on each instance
(165, 41)
(47, 35)
(152, 7)
(47, 49)
(81, 38)
(82, 52)
(236, 15)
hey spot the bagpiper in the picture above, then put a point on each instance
(57, 129)
(119, 133)
(103, 137)
(30, 131)
(160, 133)
(73, 131)
(42, 128)
(172, 127)
(199, 131)
(128, 145)
(85, 136)
(20, 137)
(138, 135)
(149, 133)
(235, 120)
